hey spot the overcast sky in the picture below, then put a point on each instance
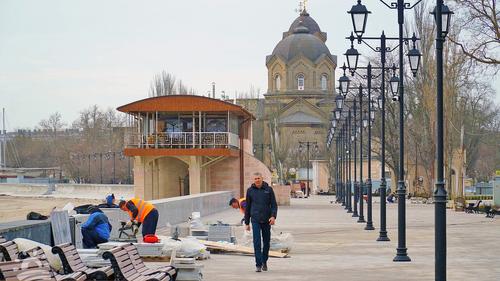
(59, 55)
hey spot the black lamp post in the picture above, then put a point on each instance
(361, 218)
(346, 163)
(442, 15)
(307, 145)
(349, 185)
(262, 147)
(400, 6)
(89, 175)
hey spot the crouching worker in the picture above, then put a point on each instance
(240, 204)
(96, 229)
(143, 213)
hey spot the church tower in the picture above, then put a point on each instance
(301, 63)
(298, 104)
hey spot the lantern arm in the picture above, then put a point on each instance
(394, 5)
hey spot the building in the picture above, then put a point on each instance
(298, 104)
(184, 144)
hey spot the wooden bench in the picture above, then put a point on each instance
(38, 253)
(27, 269)
(124, 269)
(141, 267)
(72, 263)
(8, 249)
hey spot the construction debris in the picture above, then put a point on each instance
(232, 248)
(281, 242)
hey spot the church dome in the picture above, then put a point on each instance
(301, 42)
(307, 21)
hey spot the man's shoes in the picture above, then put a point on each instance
(264, 266)
(258, 269)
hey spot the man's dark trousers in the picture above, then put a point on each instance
(91, 239)
(261, 253)
(150, 223)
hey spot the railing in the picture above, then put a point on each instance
(183, 140)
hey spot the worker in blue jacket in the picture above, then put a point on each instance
(96, 229)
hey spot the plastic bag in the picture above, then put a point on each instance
(70, 208)
(281, 241)
(190, 248)
(169, 245)
(26, 244)
(195, 220)
(246, 239)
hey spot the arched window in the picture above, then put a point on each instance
(300, 82)
(324, 82)
(277, 82)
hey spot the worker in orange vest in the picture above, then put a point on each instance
(142, 212)
(239, 204)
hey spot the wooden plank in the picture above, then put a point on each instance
(61, 231)
(238, 249)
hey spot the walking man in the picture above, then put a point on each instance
(261, 210)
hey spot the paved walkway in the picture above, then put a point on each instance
(330, 245)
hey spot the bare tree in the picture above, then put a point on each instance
(480, 39)
(163, 84)
(53, 124)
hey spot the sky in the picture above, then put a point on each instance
(64, 56)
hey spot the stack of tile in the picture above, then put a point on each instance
(145, 249)
(220, 232)
(93, 257)
(201, 234)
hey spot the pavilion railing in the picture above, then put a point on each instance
(184, 140)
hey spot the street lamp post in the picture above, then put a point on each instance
(353, 139)
(100, 164)
(361, 218)
(401, 6)
(345, 156)
(349, 188)
(263, 146)
(369, 222)
(89, 170)
(442, 16)
(308, 145)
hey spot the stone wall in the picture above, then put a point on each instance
(282, 193)
(225, 175)
(86, 191)
(172, 210)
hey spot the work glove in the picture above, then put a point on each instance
(129, 224)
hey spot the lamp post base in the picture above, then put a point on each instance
(354, 215)
(361, 220)
(383, 239)
(349, 211)
(382, 236)
(369, 227)
(401, 256)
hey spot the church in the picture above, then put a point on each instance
(294, 116)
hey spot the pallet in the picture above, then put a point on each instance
(231, 248)
(156, 259)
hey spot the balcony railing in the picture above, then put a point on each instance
(183, 140)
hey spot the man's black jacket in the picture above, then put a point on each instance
(261, 204)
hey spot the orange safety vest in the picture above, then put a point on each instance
(144, 208)
(243, 204)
